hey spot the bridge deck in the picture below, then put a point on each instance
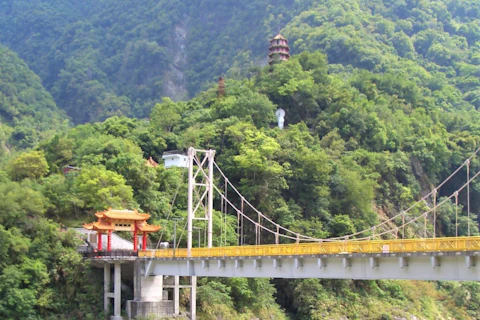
(326, 248)
(321, 248)
(416, 259)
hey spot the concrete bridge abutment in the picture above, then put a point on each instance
(153, 295)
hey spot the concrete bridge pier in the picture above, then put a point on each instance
(151, 293)
(117, 286)
(193, 298)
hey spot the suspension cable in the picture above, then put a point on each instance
(298, 237)
(304, 238)
(416, 203)
(171, 206)
(226, 211)
(260, 213)
(431, 209)
(254, 222)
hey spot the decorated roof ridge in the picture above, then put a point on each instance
(122, 214)
(279, 37)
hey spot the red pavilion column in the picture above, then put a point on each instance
(99, 241)
(135, 239)
(144, 241)
(109, 241)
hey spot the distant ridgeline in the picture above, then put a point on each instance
(102, 58)
(27, 111)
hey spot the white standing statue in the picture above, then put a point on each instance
(280, 113)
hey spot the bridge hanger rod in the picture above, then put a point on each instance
(468, 195)
(456, 213)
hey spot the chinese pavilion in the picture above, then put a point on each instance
(279, 49)
(121, 220)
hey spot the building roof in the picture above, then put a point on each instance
(113, 214)
(279, 37)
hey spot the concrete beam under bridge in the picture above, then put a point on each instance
(461, 266)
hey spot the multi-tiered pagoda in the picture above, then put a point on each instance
(279, 49)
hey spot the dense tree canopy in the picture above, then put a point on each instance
(27, 111)
(381, 102)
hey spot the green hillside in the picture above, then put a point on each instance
(102, 58)
(28, 113)
(363, 153)
(381, 103)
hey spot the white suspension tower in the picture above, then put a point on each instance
(200, 192)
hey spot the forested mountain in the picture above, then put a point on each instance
(102, 58)
(27, 111)
(381, 103)
(363, 152)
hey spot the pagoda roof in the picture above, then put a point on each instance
(113, 214)
(144, 227)
(98, 225)
(279, 37)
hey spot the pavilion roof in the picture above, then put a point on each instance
(144, 227)
(122, 215)
(98, 225)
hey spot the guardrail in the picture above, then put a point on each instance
(335, 247)
(112, 253)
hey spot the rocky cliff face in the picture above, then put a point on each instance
(175, 85)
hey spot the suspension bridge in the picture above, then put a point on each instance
(265, 248)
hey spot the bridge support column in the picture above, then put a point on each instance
(117, 287)
(176, 296)
(106, 287)
(193, 298)
(151, 296)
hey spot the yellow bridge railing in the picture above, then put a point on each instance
(336, 247)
